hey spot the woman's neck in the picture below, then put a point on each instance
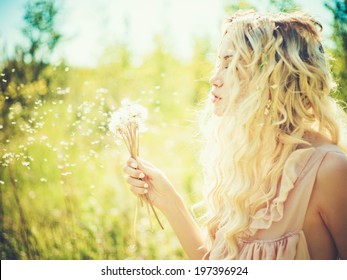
(315, 138)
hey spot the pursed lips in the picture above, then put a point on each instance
(214, 97)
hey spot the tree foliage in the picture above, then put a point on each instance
(339, 10)
(27, 81)
(284, 5)
(29, 76)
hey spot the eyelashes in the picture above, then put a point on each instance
(224, 65)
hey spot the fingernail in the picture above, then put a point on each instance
(145, 185)
(142, 175)
(145, 191)
(133, 165)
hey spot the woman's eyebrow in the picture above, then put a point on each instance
(227, 56)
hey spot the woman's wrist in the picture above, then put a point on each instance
(173, 206)
(185, 227)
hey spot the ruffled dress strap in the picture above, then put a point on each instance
(278, 228)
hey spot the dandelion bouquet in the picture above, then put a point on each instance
(127, 123)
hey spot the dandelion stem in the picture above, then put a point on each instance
(126, 123)
(154, 212)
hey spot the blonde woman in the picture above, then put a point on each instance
(274, 160)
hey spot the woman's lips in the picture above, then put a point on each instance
(214, 97)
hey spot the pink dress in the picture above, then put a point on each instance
(276, 231)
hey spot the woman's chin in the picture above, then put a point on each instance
(218, 111)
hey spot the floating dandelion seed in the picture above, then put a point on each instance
(127, 122)
(102, 90)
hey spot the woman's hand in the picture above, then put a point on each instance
(145, 178)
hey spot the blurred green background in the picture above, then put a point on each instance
(63, 193)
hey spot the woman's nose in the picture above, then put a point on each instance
(216, 82)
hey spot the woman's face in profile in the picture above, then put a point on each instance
(223, 79)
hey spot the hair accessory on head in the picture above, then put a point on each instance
(267, 107)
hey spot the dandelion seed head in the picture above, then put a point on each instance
(130, 113)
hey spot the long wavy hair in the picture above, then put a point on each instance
(288, 80)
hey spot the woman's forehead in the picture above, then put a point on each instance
(226, 46)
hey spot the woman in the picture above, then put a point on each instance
(274, 157)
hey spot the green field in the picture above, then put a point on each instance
(63, 191)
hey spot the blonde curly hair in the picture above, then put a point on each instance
(288, 82)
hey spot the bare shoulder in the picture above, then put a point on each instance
(331, 187)
(332, 174)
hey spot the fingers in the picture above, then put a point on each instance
(137, 183)
(135, 173)
(137, 186)
(135, 176)
(132, 163)
(138, 191)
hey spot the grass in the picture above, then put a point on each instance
(64, 195)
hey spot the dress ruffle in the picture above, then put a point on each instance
(289, 245)
(284, 248)
(292, 169)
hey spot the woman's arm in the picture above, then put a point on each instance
(144, 178)
(331, 182)
(186, 229)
